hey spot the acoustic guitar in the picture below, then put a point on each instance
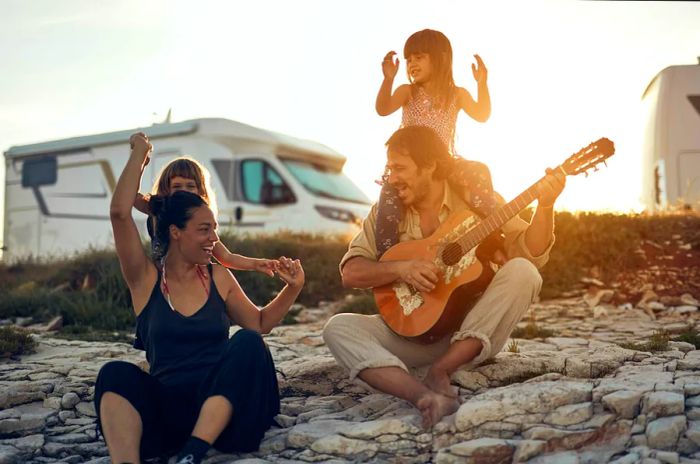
(464, 273)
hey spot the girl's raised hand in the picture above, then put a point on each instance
(290, 271)
(390, 65)
(480, 72)
(141, 146)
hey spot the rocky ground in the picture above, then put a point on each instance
(576, 396)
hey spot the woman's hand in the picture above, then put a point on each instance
(141, 147)
(290, 271)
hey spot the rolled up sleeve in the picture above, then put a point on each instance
(515, 245)
(364, 243)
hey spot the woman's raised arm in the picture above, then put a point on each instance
(132, 258)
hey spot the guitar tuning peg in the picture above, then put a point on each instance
(585, 173)
(595, 169)
(605, 163)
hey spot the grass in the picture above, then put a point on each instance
(513, 346)
(15, 341)
(530, 331)
(690, 336)
(657, 342)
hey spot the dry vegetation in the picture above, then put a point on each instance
(88, 291)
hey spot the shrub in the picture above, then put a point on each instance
(87, 289)
(15, 341)
(319, 255)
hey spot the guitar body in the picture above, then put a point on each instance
(444, 308)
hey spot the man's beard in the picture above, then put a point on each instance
(418, 191)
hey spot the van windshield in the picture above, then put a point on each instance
(324, 182)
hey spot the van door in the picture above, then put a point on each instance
(689, 178)
(260, 198)
(266, 194)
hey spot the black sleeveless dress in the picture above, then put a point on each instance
(192, 359)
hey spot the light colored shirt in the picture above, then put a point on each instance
(364, 243)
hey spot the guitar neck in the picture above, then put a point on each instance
(498, 218)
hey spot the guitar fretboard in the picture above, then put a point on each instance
(496, 219)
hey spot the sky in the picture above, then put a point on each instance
(561, 74)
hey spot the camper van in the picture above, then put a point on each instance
(671, 171)
(57, 194)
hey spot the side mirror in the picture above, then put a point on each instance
(271, 194)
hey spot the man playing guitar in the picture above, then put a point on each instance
(418, 164)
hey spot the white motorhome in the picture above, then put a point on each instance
(671, 171)
(57, 194)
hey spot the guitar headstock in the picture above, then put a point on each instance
(589, 157)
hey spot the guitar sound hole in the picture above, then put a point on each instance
(452, 254)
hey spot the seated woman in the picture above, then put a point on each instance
(203, 389)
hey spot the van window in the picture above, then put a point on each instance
(325, 182)
(39, 171)
(261, 183)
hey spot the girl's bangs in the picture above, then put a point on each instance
(426, 41)
(415, 45)
(186, 169)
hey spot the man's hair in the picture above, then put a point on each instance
(424, 147)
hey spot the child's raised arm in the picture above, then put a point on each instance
(141, 203)
(243, 263)
(479, 110)
(386, 102)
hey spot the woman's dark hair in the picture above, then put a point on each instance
(175, 209)
(424, 147)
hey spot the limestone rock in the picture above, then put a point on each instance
(482, 450)
(660, 404)
(664, 433)
(623, 402)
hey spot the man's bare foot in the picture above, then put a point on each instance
(439, 382)
(434, 406)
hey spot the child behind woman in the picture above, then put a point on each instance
(433, 100)
(187, 174)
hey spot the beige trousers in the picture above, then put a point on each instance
(359, 342)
